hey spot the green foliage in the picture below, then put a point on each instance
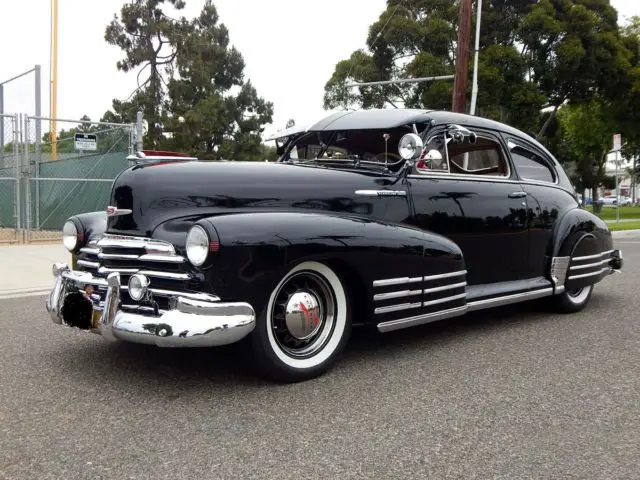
(585, 137)
(533, 54)
(195, 98)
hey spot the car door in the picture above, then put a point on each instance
(472, 196)
(547, 200)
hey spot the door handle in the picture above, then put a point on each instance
(518, 195)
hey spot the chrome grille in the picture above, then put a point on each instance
(168, 272)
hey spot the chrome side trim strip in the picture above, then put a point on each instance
(444, 275)
(590, 265)
(381, 193)
(402, 280)
(590, 274)
(392, 325)
(592, 257)
(396, 308)
(389, 295)
(508, 299)
(444, 300)
(407, 306)
(395, 281)
(443, 288)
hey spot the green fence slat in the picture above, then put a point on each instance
(58, 200)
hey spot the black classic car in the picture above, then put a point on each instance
(380, 218)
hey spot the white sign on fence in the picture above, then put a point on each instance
(86, 141)
(617, 142)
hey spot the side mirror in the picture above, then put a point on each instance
(410, 146)
(458, 133)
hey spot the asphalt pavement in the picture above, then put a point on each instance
(510, 393)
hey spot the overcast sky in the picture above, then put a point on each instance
(290, 51)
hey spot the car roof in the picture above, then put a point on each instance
(379, 118)
(382, 118)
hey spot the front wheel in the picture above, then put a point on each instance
(304, 326)
(571, 301)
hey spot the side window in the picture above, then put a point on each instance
(480, 157)
(530, 166)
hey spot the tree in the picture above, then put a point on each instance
(203, 106)
(575, 52)
(534, 54)
(144, 32)
(290, 123)
(202, 115)
(585, 135)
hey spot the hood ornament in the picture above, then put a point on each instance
(116, 212)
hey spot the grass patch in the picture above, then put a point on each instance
(624, 226)
(630, 212)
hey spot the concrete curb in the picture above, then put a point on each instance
(41, 293)
(625, 233)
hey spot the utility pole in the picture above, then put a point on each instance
(476, 50)
(462, 57)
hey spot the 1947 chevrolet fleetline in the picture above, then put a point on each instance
(382, 218)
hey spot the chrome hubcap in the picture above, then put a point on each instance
(302, 315)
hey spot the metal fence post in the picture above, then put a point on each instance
(139, 131)
(26, 175)
(1, 112)
(16, 166)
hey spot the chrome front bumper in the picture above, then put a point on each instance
(203, 321)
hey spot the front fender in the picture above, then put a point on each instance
(89, 225)
(257, 249)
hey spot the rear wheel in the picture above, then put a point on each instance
(571, 301)
(304, 326)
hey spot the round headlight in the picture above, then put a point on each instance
(70, 235)
(197, 245)
(138, 287)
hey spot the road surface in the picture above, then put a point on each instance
(510, 393)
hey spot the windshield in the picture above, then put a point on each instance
(378, 146)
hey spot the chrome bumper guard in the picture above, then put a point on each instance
(203, 321)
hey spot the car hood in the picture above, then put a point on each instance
(158, 193)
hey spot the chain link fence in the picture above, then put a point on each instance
(44, 180)
(9, 179)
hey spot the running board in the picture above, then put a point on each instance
(401, 323)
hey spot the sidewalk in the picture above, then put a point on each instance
(26, 269)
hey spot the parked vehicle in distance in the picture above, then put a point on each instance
(375, 218)
(611, 200)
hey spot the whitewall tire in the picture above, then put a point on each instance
(305, 324)
(571, 301)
